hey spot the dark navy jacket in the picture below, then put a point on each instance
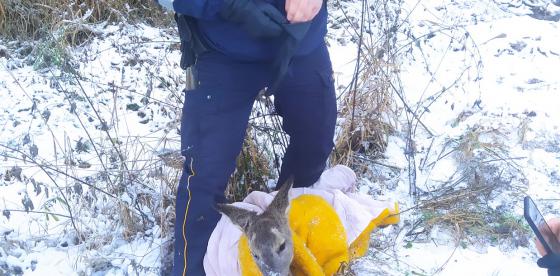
(234, 42)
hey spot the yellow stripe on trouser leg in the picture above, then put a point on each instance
(185, 218)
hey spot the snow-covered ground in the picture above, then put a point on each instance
(476, 69)
(479, 75)
(115, 109)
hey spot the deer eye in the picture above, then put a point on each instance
(281, 247)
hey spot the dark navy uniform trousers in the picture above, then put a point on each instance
(215, 117)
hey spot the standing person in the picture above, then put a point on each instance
(241, 40)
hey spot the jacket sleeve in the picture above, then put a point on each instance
(201, 9)
(550, 261)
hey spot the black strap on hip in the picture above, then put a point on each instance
(191, 41)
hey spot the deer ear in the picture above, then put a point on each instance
(281, 201)
(238, 216)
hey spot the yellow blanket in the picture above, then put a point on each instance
(319, 237)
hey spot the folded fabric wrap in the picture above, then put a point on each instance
(330, 223)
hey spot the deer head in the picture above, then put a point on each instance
(270, 239)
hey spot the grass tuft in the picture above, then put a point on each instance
(252, 171)
(33, 19)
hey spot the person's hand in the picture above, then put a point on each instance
(260, 19)
(555, 227)
(302, 10)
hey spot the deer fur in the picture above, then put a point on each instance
(268, 233)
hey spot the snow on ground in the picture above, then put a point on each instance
(67, 122)
(481, 68)
(486, 68)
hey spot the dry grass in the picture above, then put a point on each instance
(462, 203)
(252, 171)
(368, 113)
(31, 19)
(364, 130)
(458, 210)
(367, 107)
(345, 269)
(468, 216)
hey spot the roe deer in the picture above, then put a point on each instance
(269, 235)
